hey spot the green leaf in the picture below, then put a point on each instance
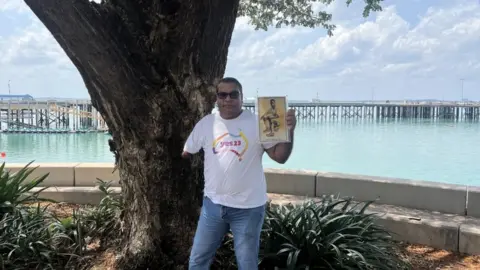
(330, 234)
(278, 13)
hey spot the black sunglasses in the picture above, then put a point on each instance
(224, 95)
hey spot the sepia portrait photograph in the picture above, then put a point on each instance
(272, 112)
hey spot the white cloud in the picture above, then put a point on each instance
(407, 51)
(35, 46)
(13, 5)
(390, 44)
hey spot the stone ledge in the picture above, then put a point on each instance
(294, 182)
(469, 237)
(77, 195)
(86, 174)
(426, 195)
(60, 174)
(440, 234)
(438, 230)
(413, 194)
(473, 201)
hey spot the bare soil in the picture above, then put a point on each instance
(421, 257)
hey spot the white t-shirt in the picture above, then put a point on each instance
(233, 167)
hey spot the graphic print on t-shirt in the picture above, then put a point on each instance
(235, 143)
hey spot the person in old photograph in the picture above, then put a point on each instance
(269, 119)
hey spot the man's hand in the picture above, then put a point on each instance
(291, 120)
(281, 152)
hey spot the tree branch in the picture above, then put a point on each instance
(278, 13)
(80, 28)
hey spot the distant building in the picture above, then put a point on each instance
(16, 97)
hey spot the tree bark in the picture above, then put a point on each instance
(150, 68)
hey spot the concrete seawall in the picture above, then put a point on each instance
(422, 212)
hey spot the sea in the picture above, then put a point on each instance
(444, 151)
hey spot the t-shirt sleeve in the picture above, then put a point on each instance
(195, 140)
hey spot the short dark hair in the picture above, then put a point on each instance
(231, 80)
(272, 100)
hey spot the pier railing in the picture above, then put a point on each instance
(83, 113)
(320, 110)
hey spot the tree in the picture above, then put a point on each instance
(150, 68)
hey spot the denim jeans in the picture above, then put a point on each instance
(215, 221)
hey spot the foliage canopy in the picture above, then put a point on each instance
(278, 13)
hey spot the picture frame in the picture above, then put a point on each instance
(272, 119)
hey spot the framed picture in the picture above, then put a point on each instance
(272, 124)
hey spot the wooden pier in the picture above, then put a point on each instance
(363, 110)
(41, 116)
(74, 115)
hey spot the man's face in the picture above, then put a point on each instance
(272, 103)
(229, 99)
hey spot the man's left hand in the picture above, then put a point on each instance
(291, 120)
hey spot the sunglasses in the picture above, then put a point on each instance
(224, 95)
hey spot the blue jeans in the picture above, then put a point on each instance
(215, 221)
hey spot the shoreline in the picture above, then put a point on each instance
(267, 166)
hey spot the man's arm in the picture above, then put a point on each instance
(281, 151)
(194, 142)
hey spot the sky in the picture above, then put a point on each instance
(413, 49)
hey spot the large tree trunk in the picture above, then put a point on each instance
(150, 68)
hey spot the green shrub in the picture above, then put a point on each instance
(74, 230)
(330, 234)
(103, 220)
(86, 225)
(34, 238)
(326, 235)
(27, 242)
(16, 189)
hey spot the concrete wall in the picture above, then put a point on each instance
(400, 192)
(448, 215)
(60, 174)
(422, 195)
(473, 201)
(86, 174)
(293, 182)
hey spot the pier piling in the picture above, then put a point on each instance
(56, 116)
(79, 115)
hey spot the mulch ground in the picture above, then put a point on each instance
(421, 257)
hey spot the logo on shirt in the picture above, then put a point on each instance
(228, 142)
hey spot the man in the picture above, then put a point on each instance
(268, 118)
(235, 190)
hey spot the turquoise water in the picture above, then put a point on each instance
(442, 151)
